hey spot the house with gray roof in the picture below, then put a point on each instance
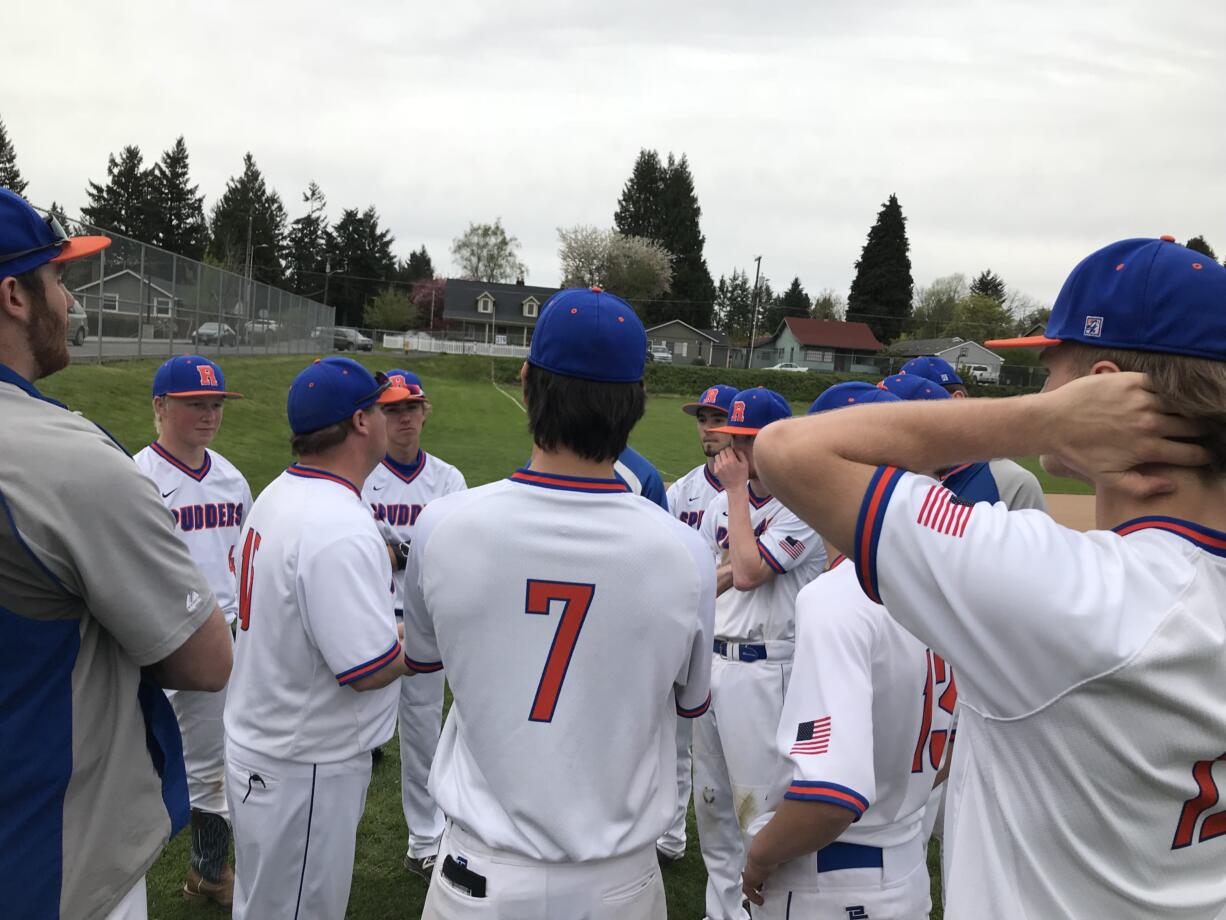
(957, 351)
(690, 345)
(496, 314)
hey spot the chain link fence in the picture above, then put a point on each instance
(137, 300)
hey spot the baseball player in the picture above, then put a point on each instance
(641, 476)
(400, 487)
(208, 497)
(939, 371)
(1090, 665)
(688, 498)
(770, 555)
(864, 726)
(573, 619)
(317, 652)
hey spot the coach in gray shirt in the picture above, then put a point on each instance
(100, 608)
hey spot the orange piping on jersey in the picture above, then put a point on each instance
(588, 485)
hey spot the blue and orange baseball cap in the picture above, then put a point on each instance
(930, 367)
(1140, 295)
(590, 334)
(330, 390)
(718, 396)
(752, 410)
(908, 387)
(28, 240)
(399, 379)
(191, 375)
(852, 393)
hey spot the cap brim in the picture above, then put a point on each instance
(1030, 341)
(734, 429)
(692, 408)
(224, 394)
(78, 247)
(397, 394)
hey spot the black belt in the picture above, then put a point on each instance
(848, 856)
(743, 652)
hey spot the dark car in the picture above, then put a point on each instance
(214, 334)
(76, 324)
(345, 339)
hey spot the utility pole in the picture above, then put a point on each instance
(327, 276)
(753, 323)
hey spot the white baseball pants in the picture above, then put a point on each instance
(672, 842)
(204, 747)
(134, 906)
(421, 722)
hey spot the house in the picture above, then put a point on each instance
(819, 345)
(958, 352)
(497, 314)
(126, 292)
(689, 345)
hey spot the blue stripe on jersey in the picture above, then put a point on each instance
(696, 712)
(37, 658)
(755, 500)
(366, 668)
(310, 472)
(832, 793)
(974, 482)
(568, 483)
(868, 527)
(406, 471)
(422, 667)
(165, 746)
(1208, 539)
(770, 560)
(712, 481)
(196, 474)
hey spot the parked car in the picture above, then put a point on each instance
(787, 366)
(214, 334)
(981, 373)
(76, 324)
(346, 339)
(661, 355)
(261, 331)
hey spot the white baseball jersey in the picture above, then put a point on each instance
(575, 623)
(208, 505)
(867, 713)
(397, 494)
(314, 616)
(691, 495)
(790, 547)
(1091, 675)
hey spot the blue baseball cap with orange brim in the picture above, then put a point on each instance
(718, 396)
(330, 390)
(28, 240)
(1139, 295)
(191, 375)
(752, 410)
(589, 334)
(398, 378)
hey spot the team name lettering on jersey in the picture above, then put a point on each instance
(691, 518)
(397, 515)
(208, 516)
(721, 533)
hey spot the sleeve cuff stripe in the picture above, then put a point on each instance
(828, 792)
(770, 560)
(868, 527)
(370, 667)
(694, 713)
(423, 667)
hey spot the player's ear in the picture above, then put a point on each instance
(1105, 367)
(14, 300)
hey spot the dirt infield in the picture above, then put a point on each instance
(1076, 511)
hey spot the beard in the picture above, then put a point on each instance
(46, 333)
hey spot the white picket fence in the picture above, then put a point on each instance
(423, 342)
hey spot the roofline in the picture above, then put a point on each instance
(127, 271)
(687, 326)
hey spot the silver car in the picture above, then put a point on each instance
(77, 324)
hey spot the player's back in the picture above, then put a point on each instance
(574, 621)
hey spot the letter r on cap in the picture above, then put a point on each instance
(207, 377)
(738, 411)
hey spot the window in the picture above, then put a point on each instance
(110, 303)
(817, 356)
(161, 306)
(485, 303)
(531, 305)
(680, 349)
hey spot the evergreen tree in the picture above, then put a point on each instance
(364, 259)
(177, 219)
(1201, 245)
(249, 213)
(306, 251)
(770, 309)
(638, 208)
(795, 301)
(417, 267)
(681, 235)
(127, 202)
(881, 291)
(989, 284)
(734, 305)
(10, 175)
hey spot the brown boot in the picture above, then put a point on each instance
(220, 891)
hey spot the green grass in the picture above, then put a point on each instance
(474, 426)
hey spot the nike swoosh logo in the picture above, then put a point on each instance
(693, 499)
(170, 493)
(375, 488)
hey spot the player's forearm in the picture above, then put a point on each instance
(747, 565)
(723, 578)
(798, 829)
(394, 671)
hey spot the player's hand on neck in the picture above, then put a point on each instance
(564, 462)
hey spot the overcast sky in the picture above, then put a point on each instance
(1017, 135)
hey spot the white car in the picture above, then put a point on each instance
(981, 373)
(787, 366)
(661, 355)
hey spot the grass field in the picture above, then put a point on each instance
(475, 426)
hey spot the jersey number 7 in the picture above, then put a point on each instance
(576, 598)
(246, 577)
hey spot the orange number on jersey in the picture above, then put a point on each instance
(1206, 797)
(934, 741)
(246, 577)
(577, 598)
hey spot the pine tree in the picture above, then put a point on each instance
(249, 211)
(1201, 245)
(127, 202)
(177, 220)
(881, 291)
(795, 301)
(417, 267)
(989, 284)
(691, 284)
(307, 258)
(364, 259)
(638, 209)
(10, 175)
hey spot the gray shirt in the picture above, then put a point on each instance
(94, 585)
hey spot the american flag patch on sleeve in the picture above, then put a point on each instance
(812, 737)
(944, 512)
(792, 547)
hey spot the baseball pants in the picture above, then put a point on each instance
(672, 843)
(627, 887)
(134, 906)
(738, 772)
(204, 748)
(898, 890)
(295, 828)
(421, 722)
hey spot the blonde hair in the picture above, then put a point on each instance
(1192, 387)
